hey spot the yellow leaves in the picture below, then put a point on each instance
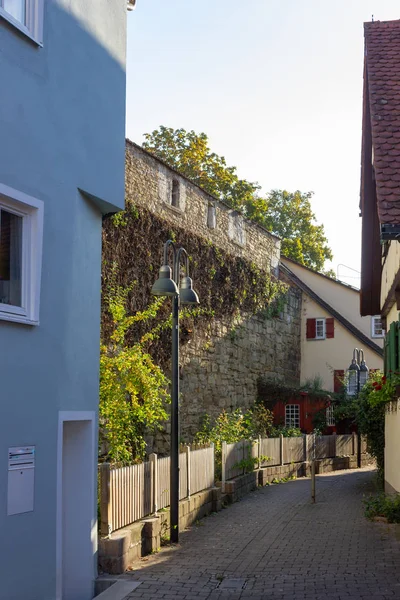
(132, 387)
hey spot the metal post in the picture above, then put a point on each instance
(313, 480)
(174, 475)
(358, 429)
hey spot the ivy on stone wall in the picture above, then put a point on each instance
(228, 286)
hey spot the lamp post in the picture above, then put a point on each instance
(357, 376)
(169, 283)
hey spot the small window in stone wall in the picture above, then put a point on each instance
(175, 193)
(211, 216)
(236, 229)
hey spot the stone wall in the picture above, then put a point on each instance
(149, 183)
(220, 364)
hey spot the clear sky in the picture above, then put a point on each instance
(275, 84)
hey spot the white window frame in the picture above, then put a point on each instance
(31, 210)
(323, 336)
(373, 321)
(33, 28)
(290, 419)
(330, 419)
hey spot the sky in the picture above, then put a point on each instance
(275, 84)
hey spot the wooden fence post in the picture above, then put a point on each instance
(354, 443)
(213, 463)
(223, 466)
(187, 450)
(259, 451)
(105, 500)
(154, 478)
(281, 448)
(305, 456)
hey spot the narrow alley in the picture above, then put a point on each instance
(276, 544)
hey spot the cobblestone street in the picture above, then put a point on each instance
(276, 544)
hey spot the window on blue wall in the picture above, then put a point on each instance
(17, 9)
(25, 15)
(21, 233)
(10, 258)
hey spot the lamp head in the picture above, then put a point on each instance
(165, 285)
(354, 366)
(187, 294)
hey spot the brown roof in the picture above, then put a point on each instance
(382, 57)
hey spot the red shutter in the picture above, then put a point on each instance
(330, 328)
(311, 329)
(338, 375)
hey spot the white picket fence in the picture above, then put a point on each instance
(128, 494)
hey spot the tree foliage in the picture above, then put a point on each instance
(286, 214)
(189, 153)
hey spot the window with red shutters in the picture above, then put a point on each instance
(330, 328)
(338, 376)
(311, 329)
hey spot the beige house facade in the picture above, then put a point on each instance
(331, 327)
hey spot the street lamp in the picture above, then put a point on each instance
(357, 377)
(168, 284)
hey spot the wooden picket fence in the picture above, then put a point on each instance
(128, 494)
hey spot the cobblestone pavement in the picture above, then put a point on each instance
(276, 544)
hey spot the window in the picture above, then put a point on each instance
(320, 329)
(21, 226)
(236, 231)
(10, 257)
(292, 415)
(25, 15)
(377, 330)
(175, 193)
(211, 216)
(330, 421)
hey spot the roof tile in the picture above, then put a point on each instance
(382, 46)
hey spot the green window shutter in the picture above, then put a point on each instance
(393, 347)
(386, 353)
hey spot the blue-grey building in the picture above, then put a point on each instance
(62, 132)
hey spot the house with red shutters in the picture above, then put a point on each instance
(332, 327)
(380, 209)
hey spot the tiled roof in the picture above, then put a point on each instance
(382, 48)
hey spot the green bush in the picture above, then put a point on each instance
(383, 506)
(285, 431)
(133, 389)
(234, 427)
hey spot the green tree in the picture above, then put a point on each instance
(189, 153)
(288, 215)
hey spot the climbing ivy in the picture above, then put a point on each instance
(228, 286)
